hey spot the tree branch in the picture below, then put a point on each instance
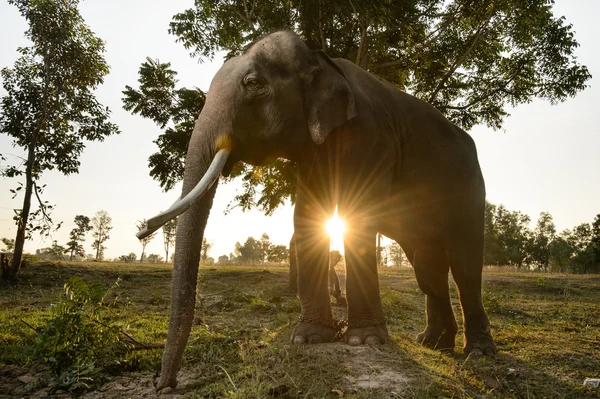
(362, 46)
(321, 32)
(42, 206)
(457, 64)
(480, 98)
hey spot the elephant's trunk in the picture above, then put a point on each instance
(190, 232)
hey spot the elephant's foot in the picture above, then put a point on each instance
(368, 335)
(165, 381)
(313, 333)
(480, 343)
(442, 340)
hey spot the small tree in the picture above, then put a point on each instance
(130, 258)
(264, 246)
(50, 108)
(205, 250)
(55, 252)
(396, 255)
(169, 230)
(278, 254)
(77, 236)
(154, 258)
(250, 252)
(101, 226)
(223, 259)
(541, 240)
(144, 241)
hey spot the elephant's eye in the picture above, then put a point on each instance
(252, 82)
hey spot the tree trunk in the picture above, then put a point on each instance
(13, 271)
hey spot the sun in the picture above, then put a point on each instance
(335, 226)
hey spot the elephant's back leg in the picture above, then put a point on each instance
(430, 262)
(466, 262)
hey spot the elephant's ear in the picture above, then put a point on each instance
(329, 100)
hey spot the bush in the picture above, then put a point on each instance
(78, 342)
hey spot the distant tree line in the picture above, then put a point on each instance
(510, 241)
(256, 251)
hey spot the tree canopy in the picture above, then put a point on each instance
(473, 60)
(50, 108)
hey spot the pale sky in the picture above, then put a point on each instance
(546, 158)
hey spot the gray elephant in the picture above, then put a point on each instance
(390, 162)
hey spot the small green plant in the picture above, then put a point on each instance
(541, 281)
(78, 341)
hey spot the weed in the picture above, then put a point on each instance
(78, 340)
(541, 281)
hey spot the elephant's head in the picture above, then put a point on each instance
(268, 102)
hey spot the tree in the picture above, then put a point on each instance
(506, 236)
(154, 258)
(77, 236)
(223, 260)
(101, 226)
(250, 252)
(561, 252)
(580, 240)
(205, 250)
(144, 241)
(55, 252)
(539, 250)
(169, 230)
(395, 254)
(264, 246)
(473, 60)
(595, 242)
(50, 107)
(278, 254)
(130, 258)
(9, 243)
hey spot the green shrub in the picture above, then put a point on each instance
(78, 342)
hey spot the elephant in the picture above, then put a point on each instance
(390, 162)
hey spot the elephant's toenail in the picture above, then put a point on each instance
(372, 340)
(475, 352)
(299, 339)
(354, 340)
(315, 339)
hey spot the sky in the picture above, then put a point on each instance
(545, 159)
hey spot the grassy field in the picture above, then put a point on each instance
(547, 328)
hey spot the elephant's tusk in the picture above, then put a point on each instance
(182, 204)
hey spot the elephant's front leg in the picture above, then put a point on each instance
(366, 324)
(312, 246)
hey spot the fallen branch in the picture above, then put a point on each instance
(29, 325)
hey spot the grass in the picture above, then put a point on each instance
(546, 326)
